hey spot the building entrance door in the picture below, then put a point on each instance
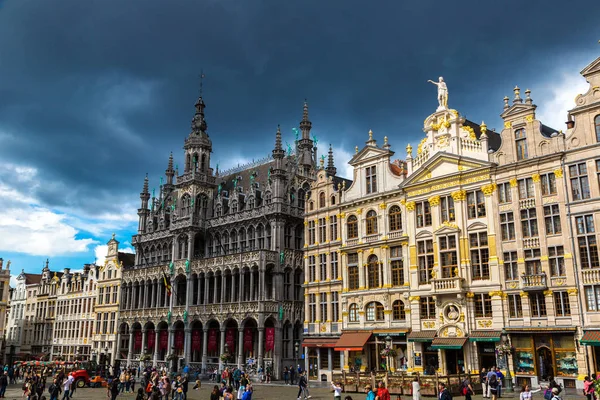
(313, 372)
(544, 359)
(455, 362)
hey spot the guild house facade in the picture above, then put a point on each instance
(217, 278)
(478, 249)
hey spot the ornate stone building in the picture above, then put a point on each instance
(41, 299)
(70, 305)
(106, 309)
(231, 245)
(4, 299)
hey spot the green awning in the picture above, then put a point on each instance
(448, 343)
(485, 336)
(591, 338)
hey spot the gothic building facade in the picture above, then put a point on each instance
(231, 246)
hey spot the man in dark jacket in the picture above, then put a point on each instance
(444, 393)
(54, 390)
(3, 383)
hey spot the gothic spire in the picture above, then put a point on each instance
(305, 124)
(278, 151)
(145, 195)
(170, 172)
(199, 123)
(331, 170)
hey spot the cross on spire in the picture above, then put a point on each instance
(201, 78)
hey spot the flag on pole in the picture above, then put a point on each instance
(167, 284)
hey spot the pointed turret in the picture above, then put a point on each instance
(170, 172)
(331, 169)
(278, 152)
(145, 195)
(143, 210)
(306, 151)
(305, 124)
(199, 123)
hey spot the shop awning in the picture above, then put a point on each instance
(541, 329)
(448, 343)
(485, 336)
(352, 341)
(591, 338)
(390, 332)
(319, 342)
(421, 336)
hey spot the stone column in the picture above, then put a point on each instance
(330, 359)
(318, 361)
(240, 348)
(156, 349)
(261, 345)
(206, 285)
(251, 286)
(221, 347)
(144, 345)
(187, 346)
(241, 288)
(223, 286)
(130, 349)
(199, 283)
(204, 348)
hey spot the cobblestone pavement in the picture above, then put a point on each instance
(273, 391)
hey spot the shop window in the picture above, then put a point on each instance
(353, 313)
(425, 260)
(398, 312)
(352, 227)
(371, 221)
(475, 204)
(395, 218)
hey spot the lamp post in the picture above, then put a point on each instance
(388, 344)
(509, 382)
(296, 348)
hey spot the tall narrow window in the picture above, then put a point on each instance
(374, 311)
(526, 188)
(353, 279)
(448, 256)
(335, 306)
(425, 260)
(371, 179)
(480, 267)
(529, 222)
(397, 266)
(323, 298)
(423, 214)
(511, 268)
(323, 267)
(597, 126)
(561, 304)
(592, 297)
(312, 307)
(373, 272)
(504, 193)
(371, 222)
(427, 308)
(515, 306)
(537, 304)
(533, 265)
(447, 209)
(353, 313)
(586, 241)
(398, 312)
(507, 226)
(476, 204)
(333, 228)
(312, 237)
(580, 186)
(312, 268)
(395, 217)
(333, 259)
(322, 230)
(556, 259)
(548, 184)
(521, 143)
(321, 199)
(352, 227)
(483, 305)
(552, 219)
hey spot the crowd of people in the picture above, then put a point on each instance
(35, 382)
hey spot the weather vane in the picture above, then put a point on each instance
(201, 79)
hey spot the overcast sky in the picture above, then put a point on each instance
(94, 94)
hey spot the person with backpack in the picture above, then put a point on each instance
(492, 383)
(467, 388)
(302, 384)
(526, 392)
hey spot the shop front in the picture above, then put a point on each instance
(322, 359)
(391, 360)
(541, 355)
(352, 344)
(453, 354)
(591, 339)
(484, 343)
(425, 359)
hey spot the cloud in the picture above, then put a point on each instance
(13, 280)
(101, 250)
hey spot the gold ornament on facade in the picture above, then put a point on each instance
(513, 182)
(409, 150)
(529, 118)
(470, 295)
(429, 324)
(443, 142)
(572, 291)
(535, 177)
(414, 298)
(447, 124)
(488, 190)
(435, 127)
(420, 146)
(459, 195)
(507, 125)
(382, 206)
(433, 274)
(558, 173)
(513, 285)
(359, 211)
(359, 251)
(410, 206)
(434, 201)
(470, 132)
(548, 293)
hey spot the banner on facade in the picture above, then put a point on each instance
(212, 340)
(269, 339)
(248, 345)
(151, 339)
(230, 340)
(179, 337)
(137, 340)
(164, 340)
(196, 340)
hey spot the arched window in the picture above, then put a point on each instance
(251, 238)
(311, 205)
(374, 311)
(597, 126)
(353, 313)
(203, 163)
(395, 216)
(398, 313)
(371, 222)
(352, 227)
(373, 271)
(332, 200)
(321, 199)
(521, 143)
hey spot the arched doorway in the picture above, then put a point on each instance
(212, 342)
(137, 341)
(178, 338)
(150, 340)
(196, 345)
(162, 333)
(250, 336)
(231, 335)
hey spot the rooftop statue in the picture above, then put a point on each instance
(442, 93)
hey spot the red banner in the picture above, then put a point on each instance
(212, 340)
(151, 339)
(269, 339)
(137, 340)
(164, 340)
(248, 344)
(196, 340)
(230, 340)
(179, 337)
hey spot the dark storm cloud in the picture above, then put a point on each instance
(95, 93)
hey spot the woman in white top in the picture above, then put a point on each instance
(337, 390)
(416, 389)
(527, 392)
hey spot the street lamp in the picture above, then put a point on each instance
(509, 382)
(296, 348)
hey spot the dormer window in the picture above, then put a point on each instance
(597, 126)
(371, 179)
(521, 143)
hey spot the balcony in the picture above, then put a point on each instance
(395, 235)
(590, 276)
(446, 285)
(527, 203)
(534, 282)
(371, 238)
(531, 243)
